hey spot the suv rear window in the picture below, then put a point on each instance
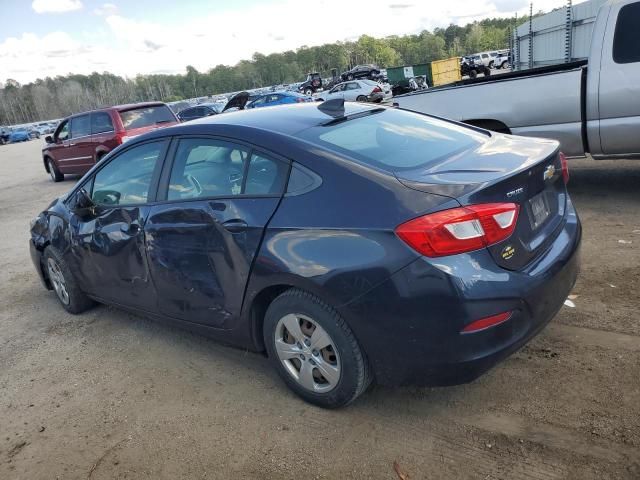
(146, 116)
(395, 140)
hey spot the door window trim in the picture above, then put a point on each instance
(155, 177)
(165, 176)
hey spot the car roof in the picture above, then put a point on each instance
(120, 108)
(283, 119)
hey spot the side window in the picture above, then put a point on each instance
(207, 168)
(265, 176)
(259, 101)
(625, 40)
(126, 179)
(80, 126)
(353, 86)
(63, 131)
(101, 123)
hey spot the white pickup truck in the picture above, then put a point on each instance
(591, 106)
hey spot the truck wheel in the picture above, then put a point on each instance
(308, 91)
(473, 74)
(487, 71)
(56, 176)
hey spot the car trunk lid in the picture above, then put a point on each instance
(504, 169)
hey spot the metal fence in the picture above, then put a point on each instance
(563, 35)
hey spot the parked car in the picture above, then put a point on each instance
(33, 132)
(311, 85)
(351, 242)
(484, 58)
(19, 134)
(361, 71)
(278, 98)
(82, 140)
(4, 135)
(199, 111)
(501, 60)
(358, 91)
(590, 106)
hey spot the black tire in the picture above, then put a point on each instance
(354, 370)
(308, 91)
(361, 98)
(503, 65)
(77, 301)
(55, 174)
(487, 72)
(491, 64)
(473, 74)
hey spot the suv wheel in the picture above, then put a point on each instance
(63, 282)
(314, 350)
(55, 174)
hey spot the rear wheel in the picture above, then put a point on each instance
(55, 174)
(314, 350)
(361, 98)
(308, 91)
(503, 65)
(64, 283)
(473, 74)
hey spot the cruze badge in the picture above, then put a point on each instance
(515, 192)
(549, 172)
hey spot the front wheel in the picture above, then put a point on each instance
(64, 283)
(55, 174)
(314, 350)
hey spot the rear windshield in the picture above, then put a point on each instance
(146, 116)
(395, 140)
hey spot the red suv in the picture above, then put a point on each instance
(81, 140)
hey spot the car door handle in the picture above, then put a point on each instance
(235, 225)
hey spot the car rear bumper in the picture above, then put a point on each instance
(410, 326)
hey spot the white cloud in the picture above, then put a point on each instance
(106, 9)
(127, 46)
(55, 6)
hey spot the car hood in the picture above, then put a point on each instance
(239, 100)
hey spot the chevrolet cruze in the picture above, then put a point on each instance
(350, 243)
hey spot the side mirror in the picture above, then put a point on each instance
(82, 202)
(48, 139)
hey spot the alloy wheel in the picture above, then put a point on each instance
(58, 281)
(52, 172)
(307, 352)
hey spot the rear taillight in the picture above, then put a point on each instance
(121, 138)
(377, 90)
(565, 168)
(460, 230)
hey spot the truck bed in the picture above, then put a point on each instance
(541, 102)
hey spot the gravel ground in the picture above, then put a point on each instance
(109, 395)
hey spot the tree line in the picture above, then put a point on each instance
(58, 97)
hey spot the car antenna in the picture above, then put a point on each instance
(333, 107)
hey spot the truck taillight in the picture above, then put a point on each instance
(460, 230)
(565, 168)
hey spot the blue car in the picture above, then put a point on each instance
(278, 98)
(19, 135)
(351, 243)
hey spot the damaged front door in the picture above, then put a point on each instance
(109, 242)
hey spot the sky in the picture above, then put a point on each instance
(40, 38)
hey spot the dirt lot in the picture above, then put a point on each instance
(108, 395)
